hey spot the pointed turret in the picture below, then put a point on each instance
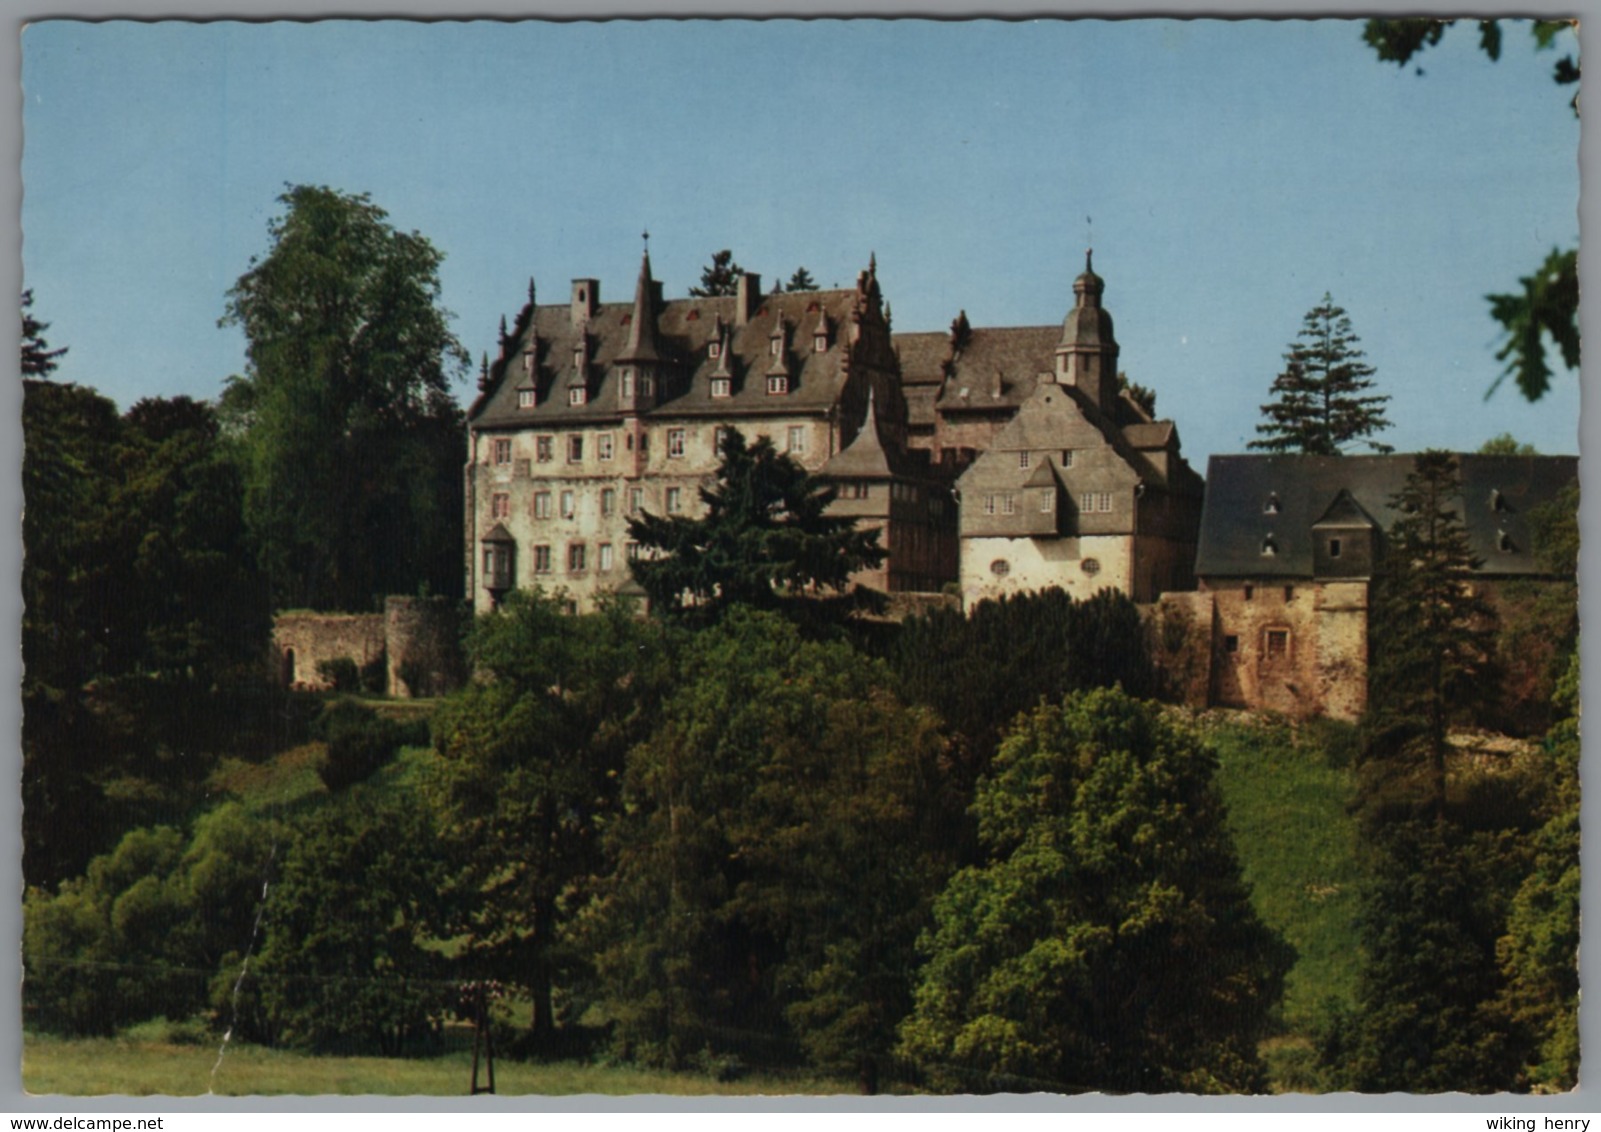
(639, 364)
(1087, 354)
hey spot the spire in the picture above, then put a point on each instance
(642, 341)
(1088, 288)
(531, 301)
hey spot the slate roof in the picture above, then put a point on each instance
(683, 329)
(998, 368)
(1498, 494)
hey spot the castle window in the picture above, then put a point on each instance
(1047, 501)
(1067, 457)
(1231, 643)
(675, 500)
(675, 443)
(526, 399)
(500, 505)
(776, 346)
(1022, 459)
(631, 550)
(576, 555)
(1271, 507)
(608, 500)
(1276, 643)
(575, 449)
(498, 566)
(797, 438)
(1249, 591)
(1270, 546)
(778, 384)
(577, 395)
(820, 344)
(1000, 567)
(722, 387)
(544, 449)
(1091, 566)
(605, 445)
(524, 467)
(502, 451)
(1497, 500)
(1503, 542)
(541, 504)
(636, 500)
(567, 508)
(605, 557)
(1334, 548)
(714, 349)
(1289, 593)
(628, 383)
(1008, 504)
(989, 505)
(646, 387)
(541, 559)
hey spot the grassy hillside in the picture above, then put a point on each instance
(1287, 793)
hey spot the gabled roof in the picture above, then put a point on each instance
(1250, 498)
(1345, 513)
(998, 368)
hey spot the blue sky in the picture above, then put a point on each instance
(1235, 171)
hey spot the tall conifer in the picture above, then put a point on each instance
(1322, 401)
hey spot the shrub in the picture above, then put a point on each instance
(341, 672)
(359, 743)
(375, 675)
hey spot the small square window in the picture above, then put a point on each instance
(575, 449)
(675, 443)
(777, 385)
(502, 449)
(541, 504)
(526, 399)
(544, 449)
(722, 387)
(577, 395)
(714, 349)
(1276, 643)
(1231, 643)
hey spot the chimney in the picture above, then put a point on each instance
(747, 297)
(586, 300)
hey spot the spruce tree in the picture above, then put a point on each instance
(801, 281)
(1322, 402)
(1433, 635)
(38, 359)
(719, 277)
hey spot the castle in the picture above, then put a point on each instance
(991, 461)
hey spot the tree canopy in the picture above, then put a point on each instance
(1322, 401)
(351, 444)
(801, 281)
(765, 540)
(38, 359)
(1107, 941)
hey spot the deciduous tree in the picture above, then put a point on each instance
(351, 444)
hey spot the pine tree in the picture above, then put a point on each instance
(38, 359)
(719, 277)
(801, 281)
(1432, 634)
(1322, 401)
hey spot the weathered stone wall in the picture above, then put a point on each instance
(423, 643)
(301, 641)
(1183, 637)
(1300, 649)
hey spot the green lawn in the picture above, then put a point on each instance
(97, 1067)
(1298, 847)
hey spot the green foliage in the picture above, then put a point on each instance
(1506, 445)
(374, 675)
(341, 673)
(1107, 941)
(979, 671)
(1142, 396)
(145, 617)
(1429, 921)
(343, 965)
(1432, 639)
(720, 277)
(1322, 401)
(359, 743)
(351, 445)
(147, 926)
(801, 281)
(765, 541)
(778, 844)
(530, 755)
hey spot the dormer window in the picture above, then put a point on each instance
(776, 346)
(577, 395)
(1497, 500)
(1270, 546)
(1503, 542)
(1022, 459)
(1271, 506)
(820, 343)
(777, 385)
(628, 383)
(1334, 548)
(527, 399)
(714, 349)
(722, 387)
(528, 362)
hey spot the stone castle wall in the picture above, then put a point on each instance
(418, 639)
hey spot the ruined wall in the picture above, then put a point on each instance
(1300, 649)
(423, 642)
(301, 641)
